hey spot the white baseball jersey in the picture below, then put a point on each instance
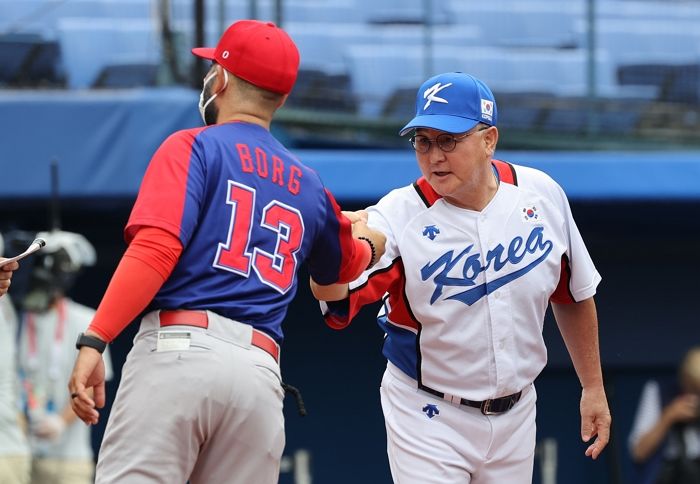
(465, 292)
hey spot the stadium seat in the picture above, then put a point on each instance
(648, 10)
(535, 23)
(42, 16)
(316, 89)
(649, 40)
(684, 86)
(673, 82)
(400, 104)
(522, 110)
(88, 45)
(406, 12)
(119, 76)
(27, 60)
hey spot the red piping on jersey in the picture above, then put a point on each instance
(426, 192)
(562, 294)
(401, 313)
(392, 280)
(506, 174)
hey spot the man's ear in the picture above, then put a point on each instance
(220, 82)
(282, 101)
(491, 139)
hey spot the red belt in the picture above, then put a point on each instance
(200, 319)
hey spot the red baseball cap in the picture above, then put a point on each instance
(258, 52)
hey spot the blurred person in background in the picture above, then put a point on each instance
(14, 448)
(51, 322)
(476, 251)
(665, 437)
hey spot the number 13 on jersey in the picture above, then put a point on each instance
(279, 220)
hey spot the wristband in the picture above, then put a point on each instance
(374, 251)
(90, 341)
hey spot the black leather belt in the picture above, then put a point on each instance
(492, 406)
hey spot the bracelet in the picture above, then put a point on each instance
(372, 248)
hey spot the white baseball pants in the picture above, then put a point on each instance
(458, 444)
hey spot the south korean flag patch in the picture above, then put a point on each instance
(487, 110)
(530, 214)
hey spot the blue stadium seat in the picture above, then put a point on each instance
(14, 51)
(121, 76)
(535, 23)
(327, 11)
(673, 82)
(42, 16)
(649, 40)
(376, 72)
(322, 91)
(88, 45)
(648, 10)
(404, 12)
(29, 60)
(522, 110)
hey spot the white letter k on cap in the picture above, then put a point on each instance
(431, 94)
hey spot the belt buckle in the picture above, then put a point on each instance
(486, 407)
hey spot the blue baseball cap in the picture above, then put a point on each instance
(454, 102)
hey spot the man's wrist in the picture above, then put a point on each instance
(372, 248)
(90, 341)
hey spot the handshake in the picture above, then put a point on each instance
(360, 230)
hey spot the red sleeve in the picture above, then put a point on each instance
(337, 257)
(146, 264)
(356, 253)
(356, 265)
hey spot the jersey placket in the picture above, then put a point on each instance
(497, 315)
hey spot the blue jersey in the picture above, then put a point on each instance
(248, 214)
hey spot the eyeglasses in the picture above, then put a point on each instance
(445, 141)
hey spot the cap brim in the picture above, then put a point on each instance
(204, 52)
(441, 122)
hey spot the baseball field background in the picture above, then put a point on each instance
(604, 95)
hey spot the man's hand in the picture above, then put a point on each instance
(360, 215)
(595, 420)
(88, 372)
(6, 275)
